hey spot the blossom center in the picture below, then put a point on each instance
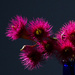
(72, 37)
(38, 32)
(49, 47)
(67, 51)
(35, 56)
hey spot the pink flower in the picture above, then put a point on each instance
(49, 46)
(30, 57)
(39, 29)
(67, 32)
(66, 52)
(16, 28)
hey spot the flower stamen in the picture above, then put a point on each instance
(38, 32)
(12, 26)
(48, 47)
(67, 51)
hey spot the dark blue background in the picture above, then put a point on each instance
(57, 12)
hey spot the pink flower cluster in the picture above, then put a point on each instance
(66, 37)
(39, 31)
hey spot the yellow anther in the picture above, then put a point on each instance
(12, 26)
(73, 55)
(66, 50)
(30, 58)
(38, 31)
(47, 45)
(71, 59)
(73, 35)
